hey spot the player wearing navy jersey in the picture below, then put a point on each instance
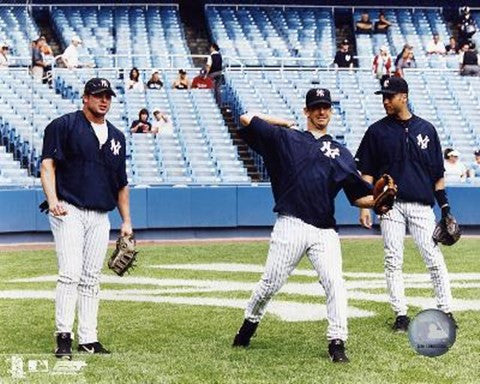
(307, 169)
(83, 176)
(408, 148)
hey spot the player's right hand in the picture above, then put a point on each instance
(365, 218)
(57, 209)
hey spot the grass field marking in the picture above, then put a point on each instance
(285, 310)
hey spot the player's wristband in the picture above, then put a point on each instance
(442, 201)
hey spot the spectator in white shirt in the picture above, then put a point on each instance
(134, 82)
(4, 60)
(162, 123)
(436, 46)
(455, 170)
(70, 56)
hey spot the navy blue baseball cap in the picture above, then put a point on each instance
(392, 86)
(98, 85)
(318, 96)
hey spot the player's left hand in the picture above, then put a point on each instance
(126, 229)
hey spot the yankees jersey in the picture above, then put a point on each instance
(409, 151)
(306, 173)
(87, 175)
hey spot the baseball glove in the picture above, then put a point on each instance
(384, 193)
(447, 231)
(124, 255)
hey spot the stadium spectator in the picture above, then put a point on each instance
(38, 65)
(452, 47)
(154, 82)
(436, 46)
(4, 59)
(162, 123)
(142, 125)
(181, 82)
(466, 26)
(134, 82)
(364, 25)
(382, 24)
(382, 63)
(343, 57)
(455, 170)
(468, 59)
(202, 81)
(214, 68)
(70, 55)
(474, 169)
(406, 60)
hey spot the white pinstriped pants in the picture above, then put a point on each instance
(81, 241)
(420, 220)
(291, 238)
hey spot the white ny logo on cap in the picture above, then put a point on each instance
(320, 93)
(386, 83)
(104, 83)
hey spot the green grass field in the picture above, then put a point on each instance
(164, 342)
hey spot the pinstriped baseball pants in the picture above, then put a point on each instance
(420, 221)
(290, 239)
(81, 241)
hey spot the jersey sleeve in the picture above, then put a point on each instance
(366, 155)
(260, 135)
(54, 140)
(350, 179)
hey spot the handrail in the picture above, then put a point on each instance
(30, 5)
(316, 6)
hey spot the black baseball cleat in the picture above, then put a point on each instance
(64, 346)
(245, 333)
(93, 348)
(401, 324)
(336, 350)
(450, 315)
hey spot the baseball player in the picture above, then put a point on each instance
(307, 169)
(408, 148)
(83, 176)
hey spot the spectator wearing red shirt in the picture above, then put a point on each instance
(202, 81)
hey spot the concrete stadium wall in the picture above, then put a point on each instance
(202, 207)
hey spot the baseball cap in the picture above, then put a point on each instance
(392, 86)
(384, 48)
(477, 152)
(203, 71)
(155, 71)
(453, 152)
(98, 85)
(155, 110)
(76, 39)
(317, 96)
(3, 45)
(345, 42)
(182, 72)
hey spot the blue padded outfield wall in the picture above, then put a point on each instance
(202, 207)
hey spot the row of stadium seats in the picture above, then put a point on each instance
(261, 36)
(140, 36)
(200, 149)
(415, 27)
(450, 102)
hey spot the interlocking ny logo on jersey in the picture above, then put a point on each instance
(422, 141)
(328, 151)
(115, 146)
